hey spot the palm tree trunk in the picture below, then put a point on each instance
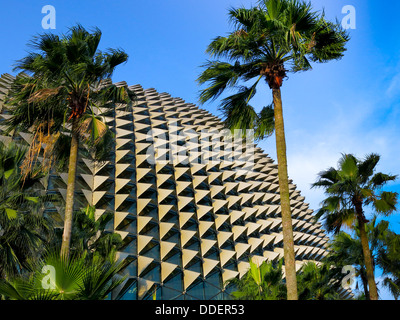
(365, 284)
(288, 242)
(69, 202)
(369, 267)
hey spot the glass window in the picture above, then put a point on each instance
(169, 294)
(129, 292)
(210, 290)
(175, 282)
(152, 273)
(196, 290)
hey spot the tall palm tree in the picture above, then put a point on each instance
(268, 42)
(60, 96)
(351, 188)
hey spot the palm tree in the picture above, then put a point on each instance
(60, 96)
(268, 42)
(347, 250)
(344, 250)
(388, 258)
(90, 235)
(265, 282)
(319, 282)
(23, 227)
(350, 188)
(261, 282)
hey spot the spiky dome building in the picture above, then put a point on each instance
(187, 225)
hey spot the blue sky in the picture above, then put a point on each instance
(346, 106)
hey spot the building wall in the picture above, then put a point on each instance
(192, 205)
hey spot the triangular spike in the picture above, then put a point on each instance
(123, 234)
(182, 185)
(209, 265)
(189, 277)
(206, 244)
(200, 194)
(251, 227)
(120, 183)
(232, 200)
(89, 178)
(119, 199)
(235, 215)
(225, 256)
(184, 217)
(238, 231)
(119, 217)
(119, 133)
(202, 210)
(119, 154)
(243, 267)
(223, 236)
(183, 201)
(120, 167)
(161, 178)
(165, 248)
(142, 188)
(141, 172)
(163, 209)
(204, 226)
(221, 219)
(93, 197)
(179, 171)
(186, 235)
(141, 204)
(187, 256)
(165, 227)
(98, 180)
(228, 274)
(198, 179)
(218, 204)
(166, 269)
(254, 242)
(142, 221)
(241, 248)
(214, 190)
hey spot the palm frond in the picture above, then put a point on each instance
(348, 167)
(386, 204)
(265, 125)
(380, 179)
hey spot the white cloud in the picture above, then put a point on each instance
(318, 145)
(384, 293)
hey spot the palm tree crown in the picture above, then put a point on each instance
(351, 187)
(268, 41)
(63, 87)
